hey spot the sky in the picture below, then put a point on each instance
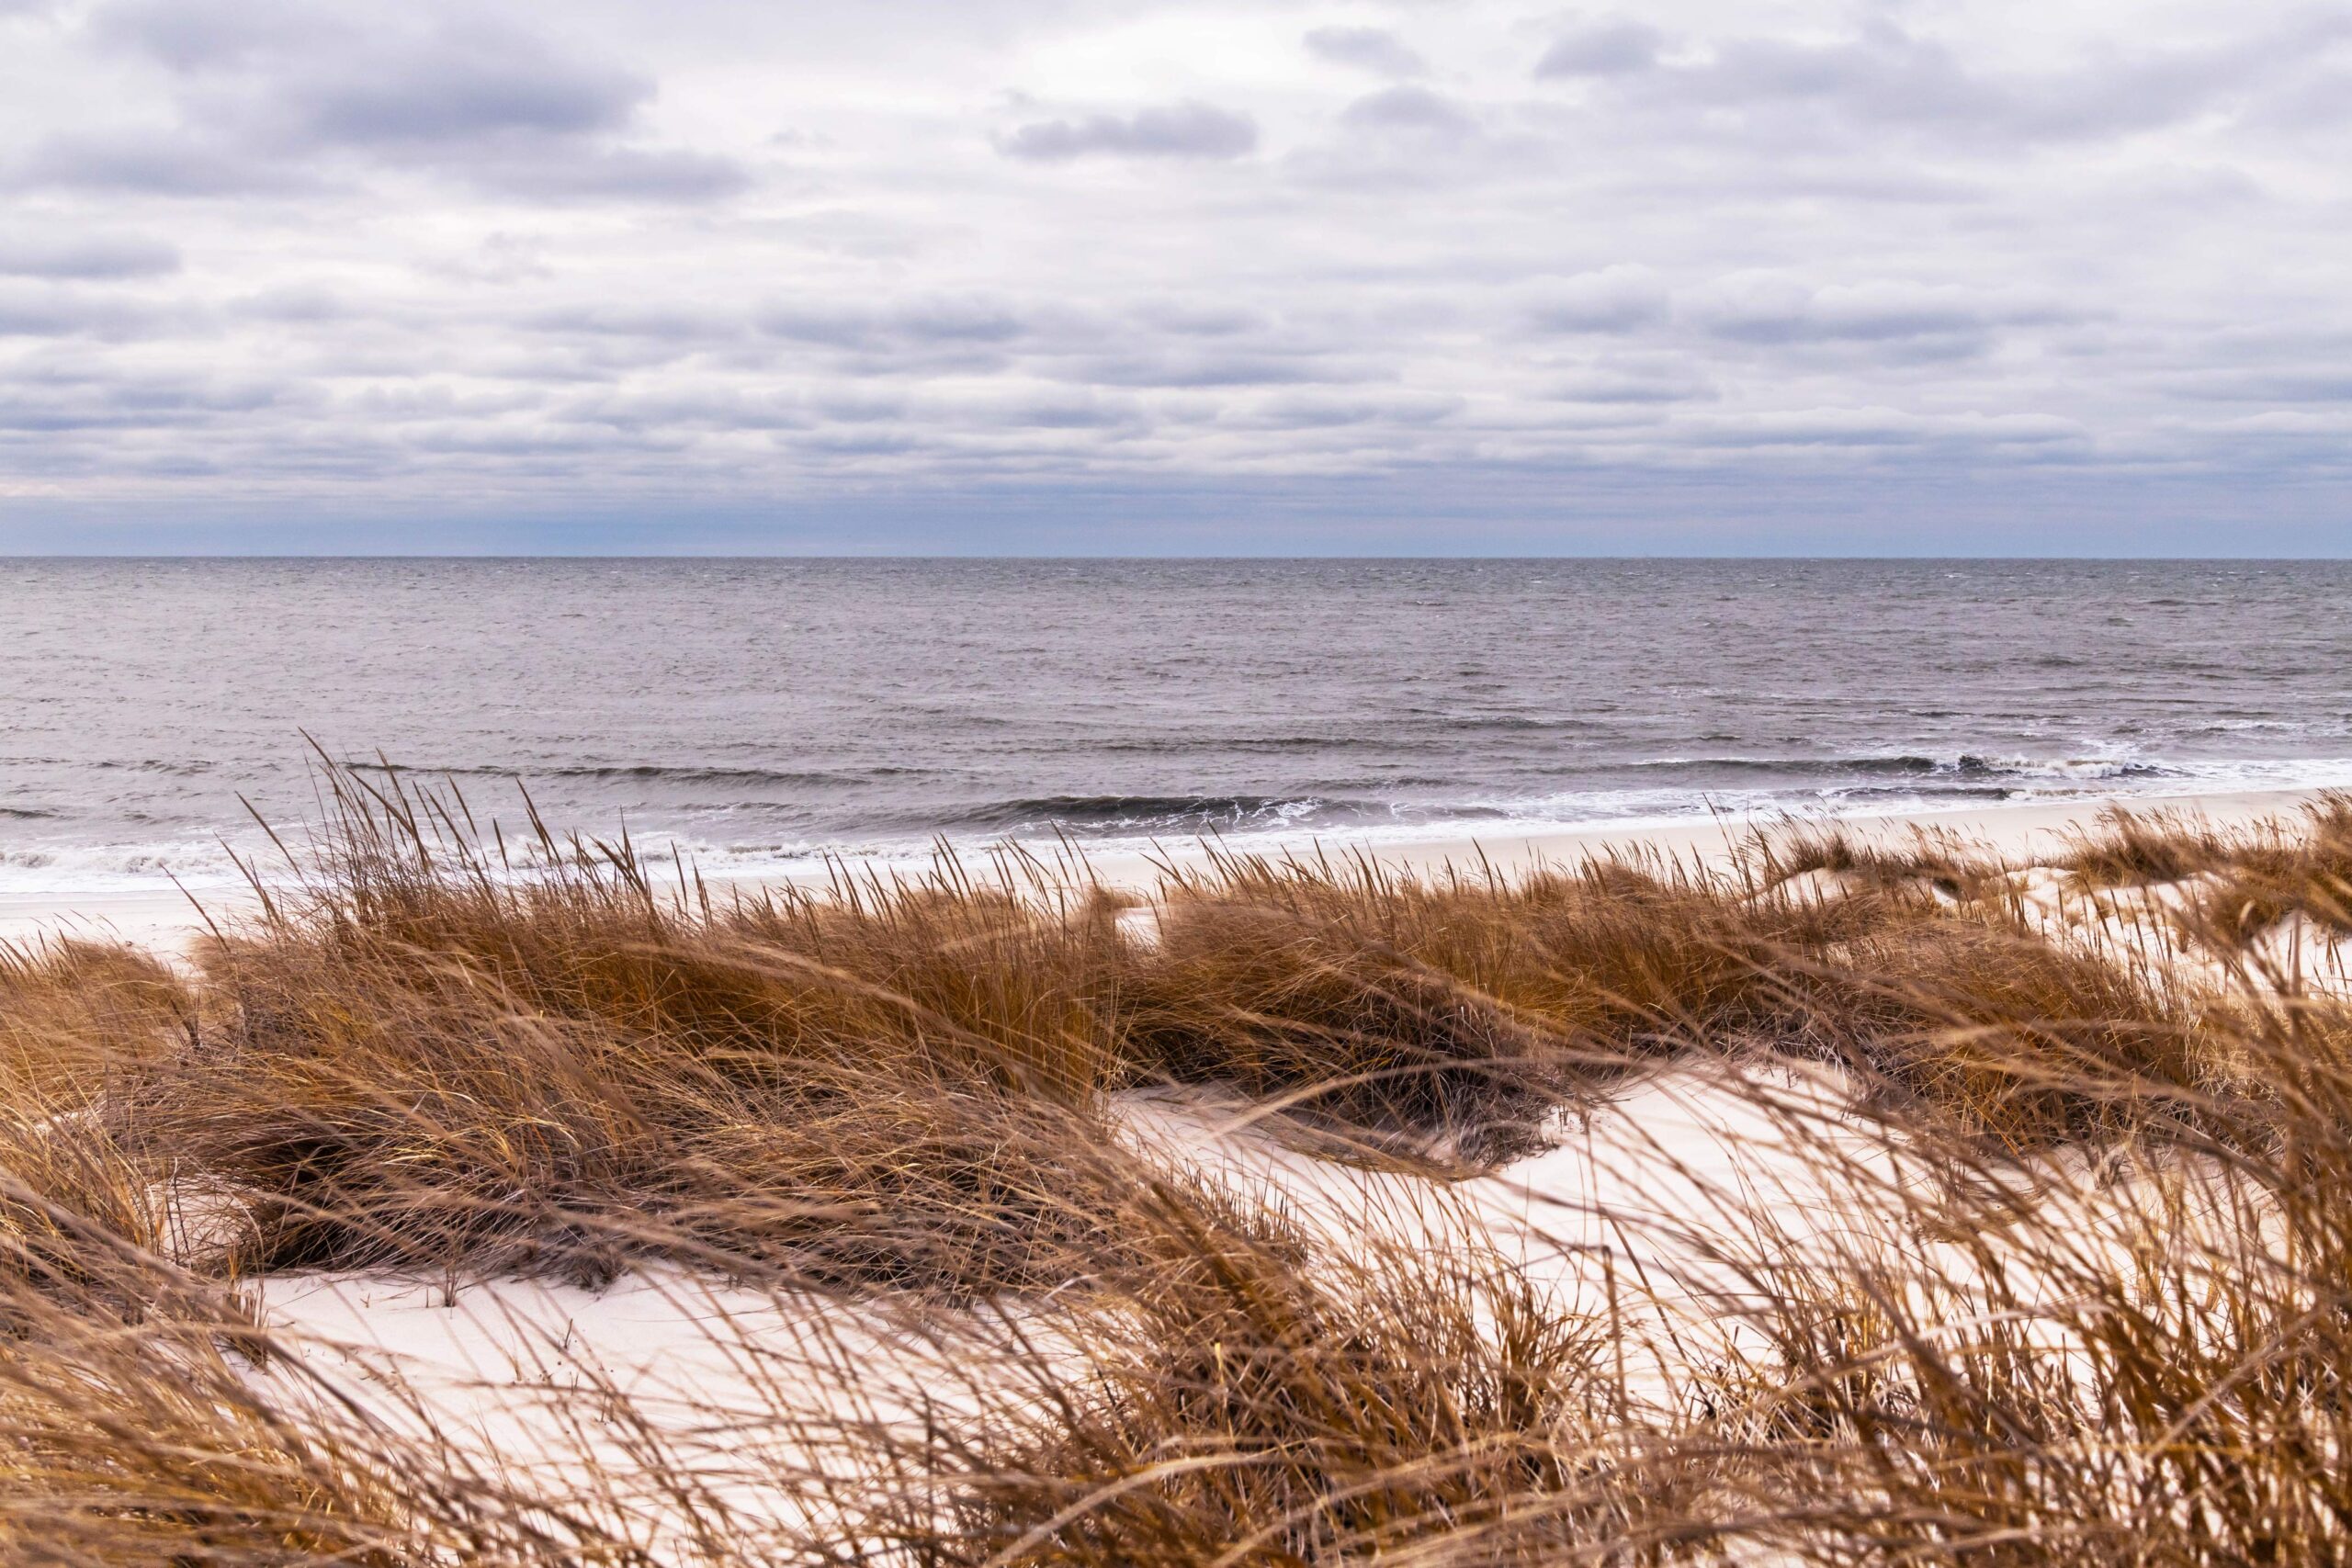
(1146, 276)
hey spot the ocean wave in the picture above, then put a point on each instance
(1660, 792)
(1906, 764)
(116, 868)
(2088, 768)
(650, 771)
(1155, 813)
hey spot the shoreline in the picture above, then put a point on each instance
(2020, 830)
(168, 921)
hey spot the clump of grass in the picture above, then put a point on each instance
(1981, 1368)
(958, 976)
(1467, 1009)
(2267, 881)
(2133, 848)
(2000, 1034)
(148, 1444)
(73, 1011)
(1455, 1010)
(419, 1114)
(1928, 860)
(1244, 1405)
(146, 1415)
(509, 1149)
(424, 1055)
(72, 1199)
(1286, 981)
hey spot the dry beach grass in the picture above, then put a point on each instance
(2071, 1282)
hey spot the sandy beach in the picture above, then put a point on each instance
(167, 919)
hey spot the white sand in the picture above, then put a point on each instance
(529, 1377)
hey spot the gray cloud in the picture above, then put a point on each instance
(462, 89)
(1059, 411)
(960, 320)
(1887, 76)
(920, 325)
(1602, 49)
(1615, 299)
(1408, 108)
(187, 35)
(1196, 319)
(672, 323)
(50, 312)
(698, 411)
(1325, 411)
(169, 163)
(1182, 369)
(1634, 384)
(1375, 50)
(1779, 312)
(266, 90)
(2329, 384)
(1883, 427)
(89, 257)
(540, 169)
(1189, 130)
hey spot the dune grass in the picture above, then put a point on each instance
(2252, 879)
(72, 1011)
(2088, 1298)
(1235, 1406)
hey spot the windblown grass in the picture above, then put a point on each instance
(1930, 859)
(2128, 848)
(2254, 879)
(2310, 874)
(1394, 1404)
(2086, 1296)
(2149, 1370)
(72, 1011)
(1468, 1007)
(424, 1057)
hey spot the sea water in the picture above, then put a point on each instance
(754, 715)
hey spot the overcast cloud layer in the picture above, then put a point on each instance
(1124, 276)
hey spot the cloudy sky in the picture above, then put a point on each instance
(1137, 277)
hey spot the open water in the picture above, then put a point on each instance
(756, 714)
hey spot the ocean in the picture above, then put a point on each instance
(755, 715)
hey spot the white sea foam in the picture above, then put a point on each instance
(208, 862)
(2088, 781)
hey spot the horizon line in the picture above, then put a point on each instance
(890, 556)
